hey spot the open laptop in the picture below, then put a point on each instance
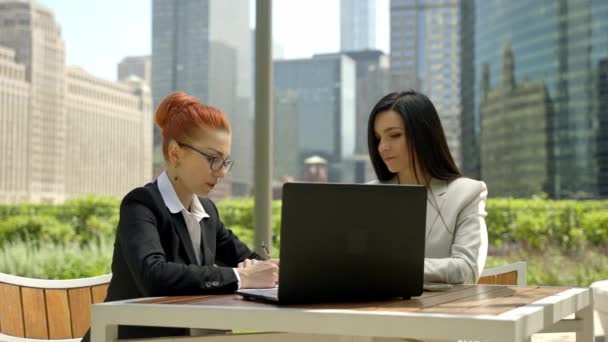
(349, 242)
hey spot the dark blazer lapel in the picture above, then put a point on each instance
(206, 251)
(184, 235)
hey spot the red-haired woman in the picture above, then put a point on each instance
(169, 237)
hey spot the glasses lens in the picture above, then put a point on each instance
(228, 165)
(216, 163)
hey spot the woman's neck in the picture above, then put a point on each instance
(408, 177)
(185, 197)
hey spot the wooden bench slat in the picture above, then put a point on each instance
(488, 280)
(80, 310)
(507, 278)
(99, 293)
(11, 313)
(34, 313)
(58, 310)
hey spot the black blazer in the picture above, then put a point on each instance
(154, 256)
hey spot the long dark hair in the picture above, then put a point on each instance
(423, 133)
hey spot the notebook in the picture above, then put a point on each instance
(349, 242)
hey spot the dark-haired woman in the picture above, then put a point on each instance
(407, 145)
(170, 240)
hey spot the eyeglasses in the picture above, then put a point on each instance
(215, 162)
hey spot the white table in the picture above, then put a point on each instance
(466, 312)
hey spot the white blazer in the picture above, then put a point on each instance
(456, 235)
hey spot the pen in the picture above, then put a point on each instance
(266, 250)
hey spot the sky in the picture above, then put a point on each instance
(98, 34)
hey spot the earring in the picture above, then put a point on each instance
(175, 167)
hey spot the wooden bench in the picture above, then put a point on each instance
(512, 274)
(41, 309)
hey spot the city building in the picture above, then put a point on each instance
(602, 142)
(315, 170)
(108, 134)
(523, 108)
(14, 112)
(140, 66)
(469, 123)
(285, 146)
(373, 81)
(357, 25)
(33, 33)
(562, 44)
(64, 132)
(426, 56)
(325, 105)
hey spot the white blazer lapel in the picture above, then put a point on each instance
(435, 201)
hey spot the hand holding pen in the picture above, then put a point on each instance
(266, 251)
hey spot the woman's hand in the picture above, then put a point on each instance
(258, 274)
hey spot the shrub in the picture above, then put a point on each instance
(37, 229)
(56, 261)
(539, 221)
(238, 215)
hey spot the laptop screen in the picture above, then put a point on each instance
(342, 242)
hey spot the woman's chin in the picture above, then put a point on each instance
(203, 192)
(392, 169)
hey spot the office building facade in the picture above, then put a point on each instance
(357, 25)
(426, 56)
(108, 134)
(14, 110)
(325, 104)
(525, 108)
(562, 44)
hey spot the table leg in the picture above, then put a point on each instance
(104, 333)
(586, 319)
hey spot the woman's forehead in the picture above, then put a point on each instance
(388, 120)
(215, 138)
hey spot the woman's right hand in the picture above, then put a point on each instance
(258, 274)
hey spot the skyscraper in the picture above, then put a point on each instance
(602, 96)
(561, 43)
(469, 122)
(285, 126)
(357, 25)
(425, 55)
(325, 104)
(32, 32)
(373, 79)
(195, 50)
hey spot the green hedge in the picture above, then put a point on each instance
(537, 222)
(79, 220)
(237, 215)
(74, 239)
(532, 223)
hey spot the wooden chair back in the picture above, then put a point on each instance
(48, 309)
(512, 274)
